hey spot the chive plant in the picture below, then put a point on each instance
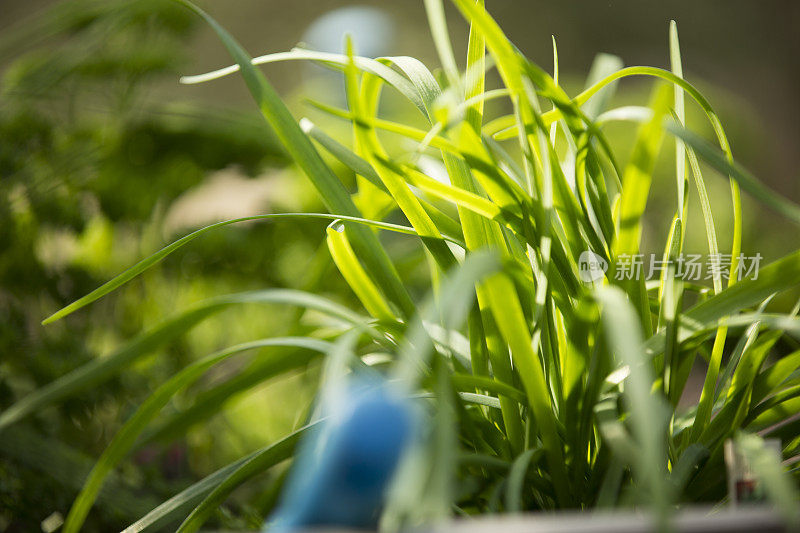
(546, 390)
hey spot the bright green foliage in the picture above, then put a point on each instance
(551, 392)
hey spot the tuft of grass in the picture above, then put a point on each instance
(547, 392)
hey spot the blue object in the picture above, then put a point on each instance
(342, 472)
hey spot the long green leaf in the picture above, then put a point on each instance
(648, 410)
(160, 255)
(253, 465)
(299, 146)
(126, 437)
(103, 368)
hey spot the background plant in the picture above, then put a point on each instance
(92, 165)
(558, 394)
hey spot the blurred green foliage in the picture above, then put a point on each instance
(91, 159)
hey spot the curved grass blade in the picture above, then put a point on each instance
(364, 169)
(254, 464)
(467, 381)
(740, 351)
(679, 104)
(358, 280)
(159, 256)
(340, 60)
(771, 378)
(441, 39)
(415, 134)
(460, 197)
(775, 278)
(102, 369)
(126, 437)
(180, 505)
(363, 103)
(174, 424)
(603, 65)
(708, 216)
(516, 477)
(331, 190)
(743, 177)
(784, 404)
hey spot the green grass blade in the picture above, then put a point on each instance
(331, 190)
(460, 197)
(745, 343)
(126, 437)
(475, 81)
(771, 378)
(181, 504)
(367, 140)
(255, 464)
(103, 368)
(174, 424)
(647, 410)
(774, 278)
(347, 263)
(783, 403)
(602, 66)
(467, 381)
(160, 255)
(511, 322)
(339, 60)
(708, 216)
(635, 190)
(364, 169)
(441, 39)
(680, 149)
(516, 477)
(743, 177)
